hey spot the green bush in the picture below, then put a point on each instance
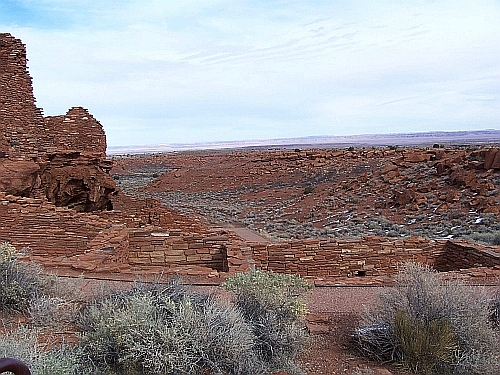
(20, 282)
(431, 326)
(273, 305)
(167, 329)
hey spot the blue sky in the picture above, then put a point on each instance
(192, 71)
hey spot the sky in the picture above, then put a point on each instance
(192, 71)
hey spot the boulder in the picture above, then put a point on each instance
(404, 197)
(19, 177)
(492, 159)
(462, 177)
(417, 157)
(78, 181)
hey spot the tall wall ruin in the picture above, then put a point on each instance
(76, 130)
(59, 158)
(21, 122)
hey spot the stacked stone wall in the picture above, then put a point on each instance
(21, 122)
(24, 133)
(175, 249)
(149, 211)
(89, 242)
(45, 229)
(77, 130)
(463, 255)
(371, 256)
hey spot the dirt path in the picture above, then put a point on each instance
(245, 233)
(341, 300)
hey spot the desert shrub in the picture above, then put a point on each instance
(431, 325)
(495, 309)
(167, 329)
(274, 307)
(308, 190)
(489, 237)
(47, 311)
(20, 282)
(59, 305)
(24, 345)
(425, 344)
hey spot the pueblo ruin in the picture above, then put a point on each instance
(60, 204)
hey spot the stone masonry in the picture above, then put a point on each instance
(60, 158)
(21, 122)
(58, 202)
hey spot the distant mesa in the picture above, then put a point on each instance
(59, 158)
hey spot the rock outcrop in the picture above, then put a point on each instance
(59, 158)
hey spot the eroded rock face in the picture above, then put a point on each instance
(59, 158)
(75, 180)
(79, 181)
(19, 177)
(492, 159)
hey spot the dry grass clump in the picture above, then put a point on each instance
(432, 326)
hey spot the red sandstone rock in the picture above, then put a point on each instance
(492, 159)
(416, 157)
(404, 197)
(82, 185)
(462, 177)
(19, 177)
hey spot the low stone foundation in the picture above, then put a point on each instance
(61, 238)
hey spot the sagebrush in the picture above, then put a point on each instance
(24, 344)
(431, 325)
(20, 282)
(167, 329)
(154, 328)
(274, 307)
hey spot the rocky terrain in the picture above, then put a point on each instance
(60, 200)
(285, 194)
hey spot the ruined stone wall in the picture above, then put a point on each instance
(21, 122)
(51, 232)
(24, 133)
(46, 229)
(149, 211)
(463, 255)
(62, 237)
(173, 249)
(77, 130)
(371, 256)
(61, 158)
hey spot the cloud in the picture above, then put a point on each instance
(235, 70)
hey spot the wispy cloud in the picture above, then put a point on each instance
(158, 71)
